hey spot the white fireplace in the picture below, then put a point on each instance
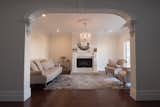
(84, 54)
(84, 61)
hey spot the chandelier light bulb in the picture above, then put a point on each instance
(85, 36)
(43, 15)
(57, 30)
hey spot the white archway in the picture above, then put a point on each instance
(130, 23)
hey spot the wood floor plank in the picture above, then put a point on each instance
(81, 98)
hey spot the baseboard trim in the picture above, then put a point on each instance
(148, 95)
(145, 95)
(14, 96)
(27, 94)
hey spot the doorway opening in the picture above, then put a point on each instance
(127, 45)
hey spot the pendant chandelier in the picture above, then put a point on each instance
(85, 36)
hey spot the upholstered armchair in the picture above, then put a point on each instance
(117, 69)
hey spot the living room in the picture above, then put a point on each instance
(81, 44)
(15, 49)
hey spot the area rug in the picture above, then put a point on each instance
(84, 81)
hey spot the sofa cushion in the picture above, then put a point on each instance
(47, 64)
(52, 73)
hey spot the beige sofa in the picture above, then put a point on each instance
(44, 71)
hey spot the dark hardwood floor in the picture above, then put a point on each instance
(81, 98)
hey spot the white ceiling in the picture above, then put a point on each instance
(96, 23)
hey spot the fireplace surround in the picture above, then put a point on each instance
(83, 61)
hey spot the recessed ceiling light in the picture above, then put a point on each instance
(43, 15)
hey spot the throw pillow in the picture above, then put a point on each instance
(47, 64)
(37, 62)
(33, 66)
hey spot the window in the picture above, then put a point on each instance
(126, 47)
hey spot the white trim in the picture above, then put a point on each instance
(148, 95)
(145, 95)
(27, 94)
(14, 96)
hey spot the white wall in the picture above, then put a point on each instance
(39, 45)
(60, 45)
(124, 36)
(50, 46)
(107, 48)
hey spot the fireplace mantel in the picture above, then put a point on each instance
(85, 55)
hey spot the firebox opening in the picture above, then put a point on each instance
(84, 62)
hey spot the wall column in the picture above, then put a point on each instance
(133, 89)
